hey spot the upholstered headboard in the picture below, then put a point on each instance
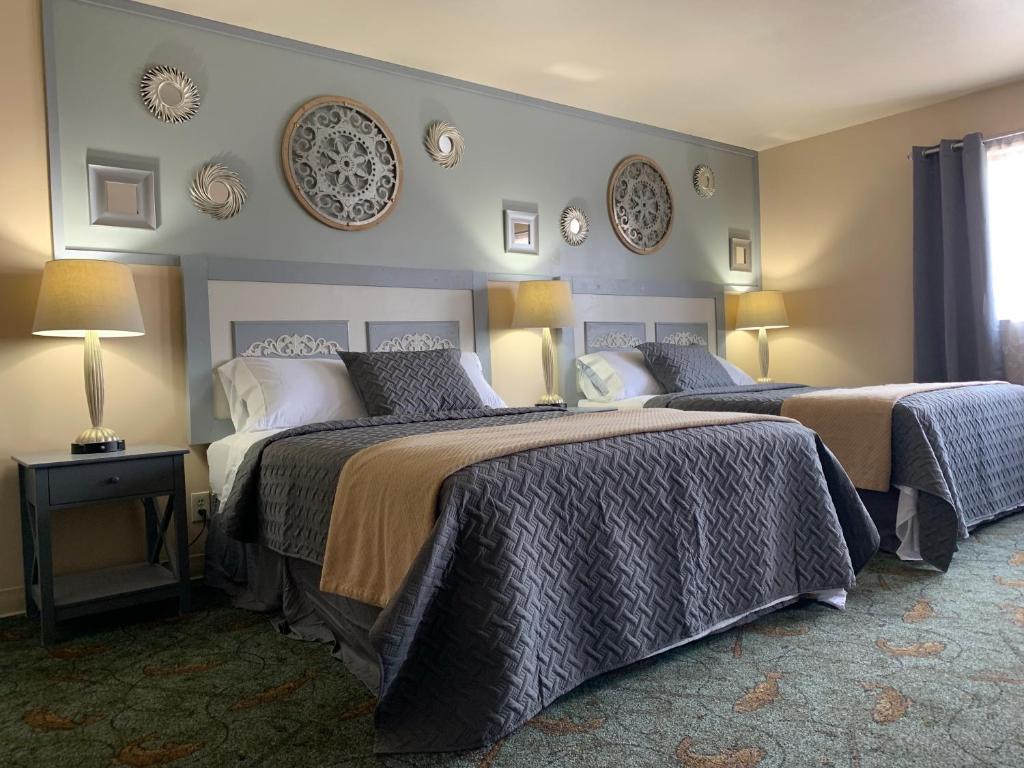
(236, 307)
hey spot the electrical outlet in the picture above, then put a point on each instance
(200, 506)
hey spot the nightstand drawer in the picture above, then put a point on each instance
(107, 480)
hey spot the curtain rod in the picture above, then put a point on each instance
(960, 144)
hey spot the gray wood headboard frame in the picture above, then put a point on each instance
(199, 271)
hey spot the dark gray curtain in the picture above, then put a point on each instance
(956, 335)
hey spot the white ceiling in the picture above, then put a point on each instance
(756, 73)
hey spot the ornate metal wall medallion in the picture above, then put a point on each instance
(575, 225)
(341, 162)
(444, 144)
(217, 191)
(640, 204)
(169, 94)
(704, 180)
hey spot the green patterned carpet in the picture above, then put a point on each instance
(922, 669)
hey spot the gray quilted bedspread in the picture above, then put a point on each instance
(551, 566)
(962, 449)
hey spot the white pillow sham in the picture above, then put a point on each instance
(738, 376)
(618, 374)
(615, 374)
(472, 365)
(278, 393)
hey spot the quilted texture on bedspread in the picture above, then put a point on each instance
(962, 449)
(553, 565)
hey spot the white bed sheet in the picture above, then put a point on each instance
(223, 457)
(623, 405)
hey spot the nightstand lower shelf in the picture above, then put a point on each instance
(79, 594)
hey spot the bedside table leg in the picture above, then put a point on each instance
(44, 555)
(28, 546)
(181, 535)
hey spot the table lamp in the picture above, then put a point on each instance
(90, 299)
(545, 304)
(759, 311)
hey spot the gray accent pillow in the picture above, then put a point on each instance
(679, 368)
(411, 382)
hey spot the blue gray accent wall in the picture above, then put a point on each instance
(518, 150)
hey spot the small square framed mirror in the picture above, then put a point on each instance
(122, 197)
(741, 258)
(521, 232)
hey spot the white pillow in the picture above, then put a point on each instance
(472, 365)
(738, 377)
(278, 393)
(618, 374)
(615, 374)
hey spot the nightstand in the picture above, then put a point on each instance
(51, 482)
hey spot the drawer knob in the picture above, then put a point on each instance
(114, 479)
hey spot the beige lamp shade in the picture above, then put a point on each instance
(82, 295)
(761, 309)
(544, 304)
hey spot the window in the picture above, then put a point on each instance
(1006, 226)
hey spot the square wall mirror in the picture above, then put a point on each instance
(521, 232)
(122, 197)
(741, 259)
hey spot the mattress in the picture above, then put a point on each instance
(223, 457)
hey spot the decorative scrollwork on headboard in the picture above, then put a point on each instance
(292, 345)
(616, 340)
(413, 342)
(683, 334)
(685, 340)
(289, 338)
(412, 335)
(599, 336)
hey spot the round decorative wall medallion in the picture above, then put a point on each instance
(704, 180)
(575, 225)
(217, 191)
(444, 144)
(169, 94)
(341, 162)
(640, 204)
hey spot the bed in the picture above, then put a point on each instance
(531, 583)
(956, 454)
(543, 566)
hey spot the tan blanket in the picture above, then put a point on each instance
(386, 503)
(856, 425)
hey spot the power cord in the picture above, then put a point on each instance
(206, 524)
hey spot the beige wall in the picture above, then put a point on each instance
(41, 379)
(836, 234)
